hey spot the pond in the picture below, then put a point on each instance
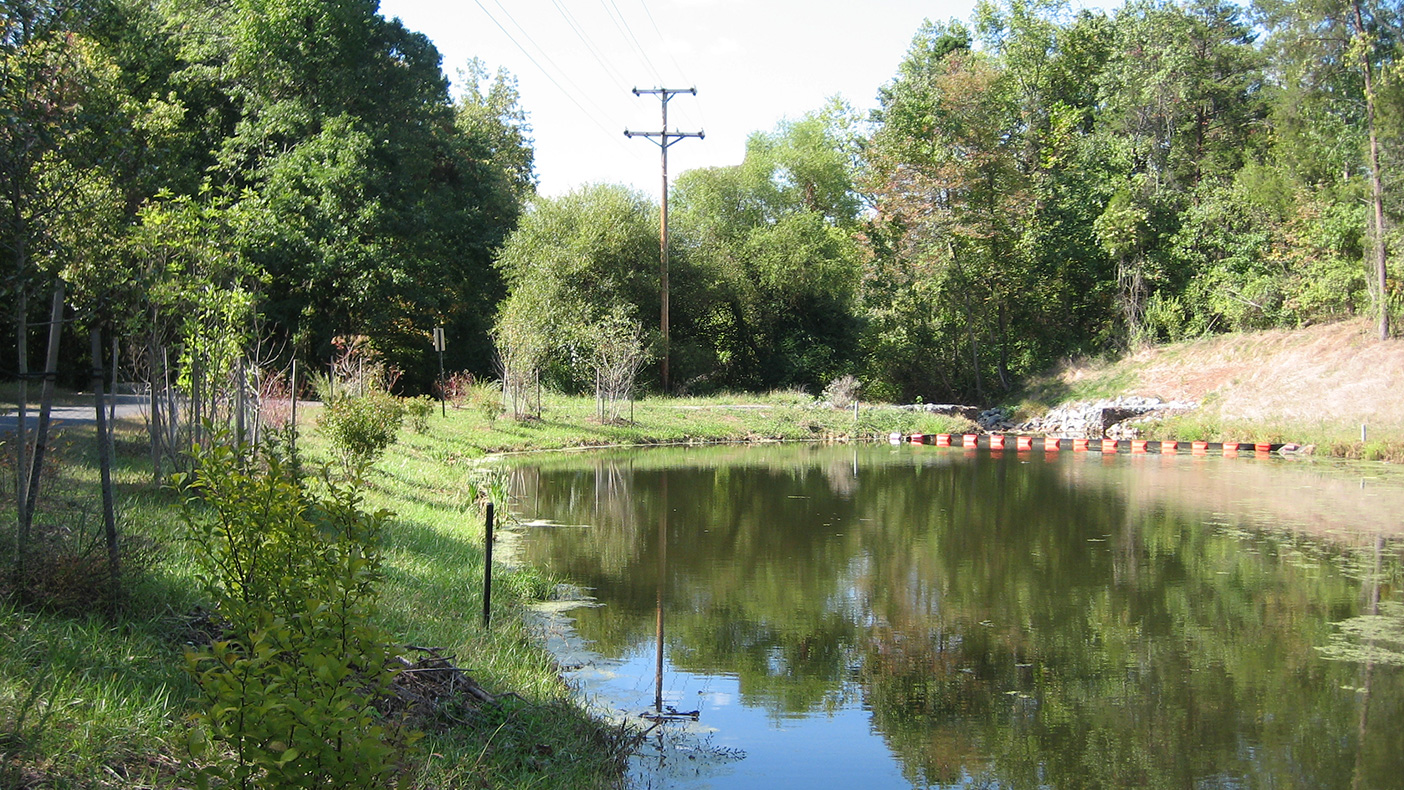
(912, 616)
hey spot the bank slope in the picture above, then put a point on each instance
(1315, 385)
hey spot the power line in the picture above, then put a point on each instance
(701, 106)
(663, 41)
(590, 47)
(546, 55)
(545, 73)
(624, 30)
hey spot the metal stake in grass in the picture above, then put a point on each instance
(487, 571)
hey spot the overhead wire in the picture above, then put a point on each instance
(545, 54)
(547, 74)
(622, 25)
(579, 31)
(681, 71)
(699, 105)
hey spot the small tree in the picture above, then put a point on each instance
(618, 353)
(521, 350)
(361, 427)
(842, 391)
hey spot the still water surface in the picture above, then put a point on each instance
(895, 617)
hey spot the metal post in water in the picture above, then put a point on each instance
(487, 570)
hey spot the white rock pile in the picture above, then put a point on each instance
(1115, 418)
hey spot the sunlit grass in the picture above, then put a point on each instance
(84, 698)
(1330, 438)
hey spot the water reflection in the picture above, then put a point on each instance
(918, 617)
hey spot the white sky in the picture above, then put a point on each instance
(753, 62)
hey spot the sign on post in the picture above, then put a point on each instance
(439, 347)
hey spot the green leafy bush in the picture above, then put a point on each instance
(290, 690)
(418, 411)
(486, 397)
(361, 427)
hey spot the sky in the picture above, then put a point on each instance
(754, 63)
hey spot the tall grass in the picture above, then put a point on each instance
(88, 702)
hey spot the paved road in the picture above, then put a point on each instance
(128, 406)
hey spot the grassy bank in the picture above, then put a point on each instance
(1313, 386)
(88, 701)
(569, 422)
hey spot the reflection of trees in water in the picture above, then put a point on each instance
(998, 620)
(602, 496)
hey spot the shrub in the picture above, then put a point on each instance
(418, 411)
(361, 427)
(457, 388)
(290, 691)
(842, 391)
(486, 397)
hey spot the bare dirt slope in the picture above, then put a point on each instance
(1335, 373)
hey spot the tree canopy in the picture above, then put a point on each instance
(1032, 183)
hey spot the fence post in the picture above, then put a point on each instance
(487, 570)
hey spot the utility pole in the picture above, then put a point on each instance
(664, 139)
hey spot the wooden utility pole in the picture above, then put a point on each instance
(664, 139)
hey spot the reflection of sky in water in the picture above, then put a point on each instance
(840, 748)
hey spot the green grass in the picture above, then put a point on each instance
(1331, 439)
(87, 701)
(569, 422)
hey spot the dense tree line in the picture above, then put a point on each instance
(209, 190)
(295, 170)
(1037, 184)
(208, 179)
